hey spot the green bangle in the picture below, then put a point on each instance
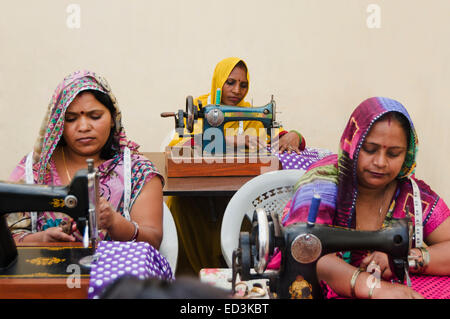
(298, 134)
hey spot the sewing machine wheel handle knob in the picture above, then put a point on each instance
(70, 201)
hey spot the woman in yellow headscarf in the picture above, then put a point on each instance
(231, 76)
(198, 218)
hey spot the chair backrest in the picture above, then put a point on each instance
(169, 243)
(270, 191)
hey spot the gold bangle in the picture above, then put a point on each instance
(353, 281)
(136, 231)
(425, 257)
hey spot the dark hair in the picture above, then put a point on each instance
(241, 64)
(111, 146)
(131, 287)
(404, 123)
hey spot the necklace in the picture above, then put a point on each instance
(380, 212)
(65, 166)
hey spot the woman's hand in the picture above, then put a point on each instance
(289, 142)
(377, 262)
(251, 142)
(395, 291)
(55, 234)
(106, 215)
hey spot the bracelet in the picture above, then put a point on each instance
(416, 265)
(425, 256)
(371, 290)
(21, 237)
(136, 231)
(353, 281)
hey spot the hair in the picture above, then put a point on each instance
(404, 123)
(111, 146)
(242, 65)
(131, 287)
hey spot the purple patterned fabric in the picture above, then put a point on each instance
(303, 160)
(116, 259)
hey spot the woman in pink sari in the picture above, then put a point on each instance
(370, 182)
(83, 121)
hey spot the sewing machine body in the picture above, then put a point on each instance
(78, 200)
(301, 245)
(215, 116)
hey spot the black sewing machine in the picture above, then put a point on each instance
(214, 118)
(78, 200)
(302, 244)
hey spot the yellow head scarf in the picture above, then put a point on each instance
(221, 74)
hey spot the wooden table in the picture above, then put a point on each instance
(41, 287)
(196, 186)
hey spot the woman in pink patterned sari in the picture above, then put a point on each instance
(83, 121)
(370, 182)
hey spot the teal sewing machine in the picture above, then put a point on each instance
(215, 116)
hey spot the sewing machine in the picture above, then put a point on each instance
(208, 155)
(215, 116)
(302, 244)
(78, 200)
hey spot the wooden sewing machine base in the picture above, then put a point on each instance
(238, 165)
(48, 271)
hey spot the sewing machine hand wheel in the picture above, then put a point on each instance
(262, 240)
(192, 114)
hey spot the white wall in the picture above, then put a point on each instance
(318, 57)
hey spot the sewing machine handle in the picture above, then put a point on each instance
(179, 120)
(168, 114)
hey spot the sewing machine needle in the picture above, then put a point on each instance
(408, 279)
(86, 236)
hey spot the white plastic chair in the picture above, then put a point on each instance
(169, 243)
(270, 191)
